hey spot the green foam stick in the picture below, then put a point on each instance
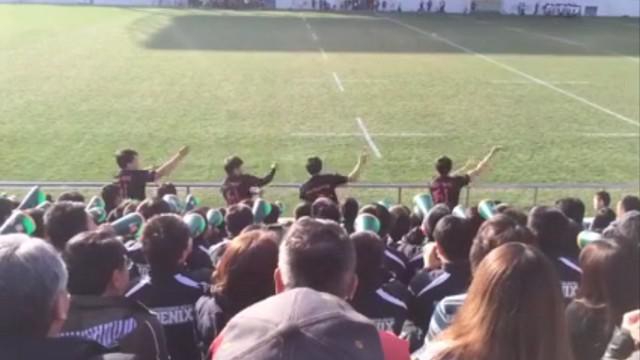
(424, 203)
(586, 237)
(487, 208)
(174, 203)
(98, 214)
(18, 222)
(96, 202)
(191, 202)
(367, 222)
(34, 197)
(282, 206)
(215, 218)
(196, 223)
(261, 209)
(45, 205)
(128, 225)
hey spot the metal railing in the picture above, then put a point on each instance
(398, 187)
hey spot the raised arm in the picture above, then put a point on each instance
(461, 170)
(168, 167)
(260, 182)
(354, 175)
(483, 164)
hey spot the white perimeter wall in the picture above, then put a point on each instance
(452, 6)
(605, 7)
(103, 2)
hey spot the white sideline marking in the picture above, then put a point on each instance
(314, 36)
(307, 25)
(357, 134)
(612, 135)
(518, 72)
(338, 82)
(525, 82)
(368, 138)
(324, 54)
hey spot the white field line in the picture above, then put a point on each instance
(612, 135)
(368, 138)
(307, 25)
(525, 82)
(518, 72)
(338, 82)
(314, 36)
(324, 54)
(357, 134)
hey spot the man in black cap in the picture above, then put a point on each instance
(324, 185)
(239, 186)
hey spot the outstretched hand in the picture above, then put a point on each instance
(274, 166)
(184, 151)
(363, 157)
(497, 148)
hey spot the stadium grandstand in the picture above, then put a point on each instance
(326, 180)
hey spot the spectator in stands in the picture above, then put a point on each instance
(496, 231)
(401, 224)
(325, 208)
(513, 310)
(625, 343)
(601, 199)
(37, 214)
(628, 228)
(238, 186)
(151, 207)
(238, 218)
(111, 196)
(382, 301)
(34, 298)
(166, 188)
(6, 207)
(604, 217)
(573, 208)
(98, 280)
(626, 204)
(64, 220)
(324, 185)
(73, 196)
(517, 215)
(274, 215)
(453, 238)
(317, 255)
(166, 244)
(349, 210)
(553, 231)
(243, 277)
(603, 297)
(445, 188)
(422, 236)
(133, 179)
(302, 210)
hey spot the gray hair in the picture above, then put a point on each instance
(32, 275)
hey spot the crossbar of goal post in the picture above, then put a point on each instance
(398, 187)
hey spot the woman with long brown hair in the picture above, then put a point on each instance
(513, 311)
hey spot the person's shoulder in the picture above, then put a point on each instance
(139, 288)
(431, 281)
(188, 284)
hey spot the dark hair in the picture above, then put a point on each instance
(317, 254)
(402, 222)
(63, 220)
(630, 202)
(231, 163)
(302, 210)
(349, 210)
(610, 278)
(125, 157)
(444, 165)
(325, 208)
(314, 165)
(91, 259)
(453, 236)
(245, 272)
(369, 259)
(430, 221)
(383, 215)
(604, 197)
(517, 215)
(37, 215)
(628, 228)
(6, 207)
(475, 219)
(603, 218)
(273, 216)
(498, 230)
(164, 240)
(166, 189)
(551, 228)
(153, 206)
(71, 196)
(513, 310)
(110, 193)
(237, 218)
(573, 208)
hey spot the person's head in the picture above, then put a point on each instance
(551, 228)
(317, 254)
(517, 215)
(151, 207)
(237, 218)
(302, 210)
(573, 208)
(610, 278)
(453, 238)
(63, 220)
(245, 272)
(382, 214)
(314, 165)
(369, 259)
(627, 229)
(325, 208)
(166, 189)
(37, 215)
(127, 159)
(498, 230)
(166, 243)
(626, 204)
(6, 207)
(71, 196)
(431, 220)
(349, 210)
(444, 165)
(402, 222)
(233, 165)
(601, 200)
(603, 218)
(112, 196)
(97, 264)
(513, 310)
(33, 288)
(273, 216)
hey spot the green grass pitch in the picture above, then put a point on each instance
(78, 83)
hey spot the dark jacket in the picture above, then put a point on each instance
(68, 348)
(117, 323)
(621, 347)
(385, 306)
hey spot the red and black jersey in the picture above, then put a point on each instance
(237, 188)
(322, 185)
(133, 183)
(446, 189)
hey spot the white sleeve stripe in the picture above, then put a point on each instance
(186, 281)
(437, 281)
(144, 281)
(570, 264)
(393, 257)
(386, 296)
